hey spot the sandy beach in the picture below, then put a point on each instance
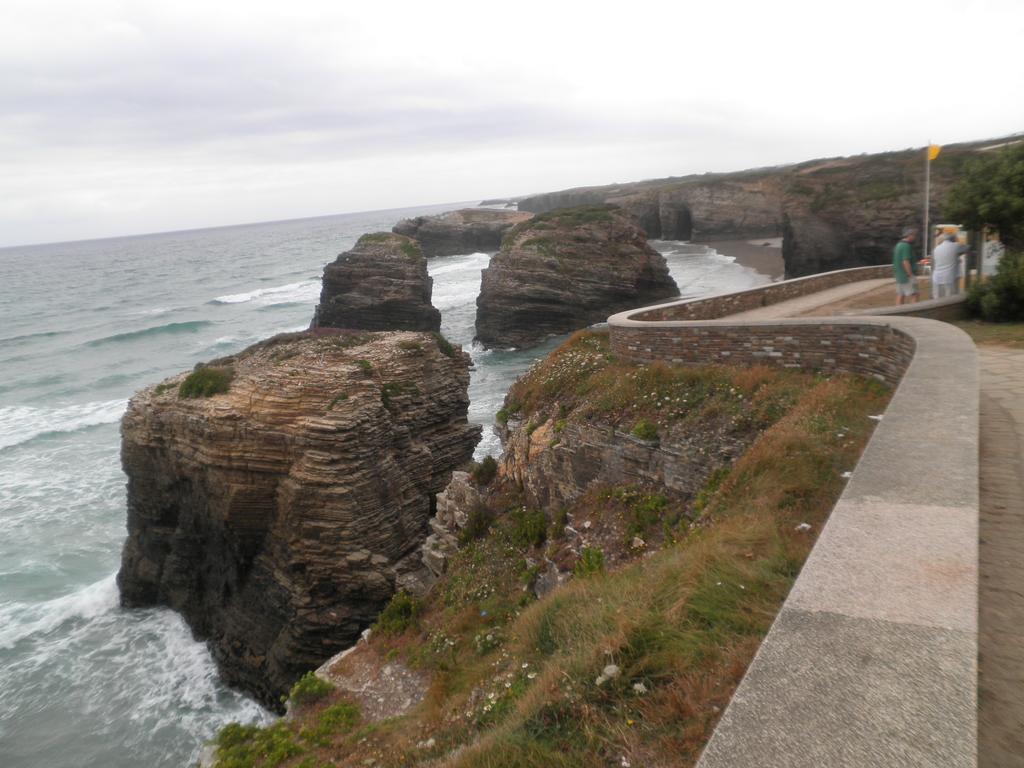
(763, 254)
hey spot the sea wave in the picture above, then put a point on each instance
(21, 423)
(22, 620)
(306, 292)
(25, 338)
(190, 326)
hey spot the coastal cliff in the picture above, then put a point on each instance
(566, 270)
(280, 513)
(580, 615)
(833, 213)
(380, 285)
(468, 230)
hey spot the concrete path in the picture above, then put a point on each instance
(1001, 589)
(805, 304)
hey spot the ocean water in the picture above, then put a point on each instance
(82, 326)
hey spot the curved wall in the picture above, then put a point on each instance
(872, 660)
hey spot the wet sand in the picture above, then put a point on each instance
(766, 259)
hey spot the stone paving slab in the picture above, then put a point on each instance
(828, 690)
(1001, 598)
(804, 304)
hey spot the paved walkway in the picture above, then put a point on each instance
(1001, 590)
(804, 305)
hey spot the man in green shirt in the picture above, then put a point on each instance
(903, 263)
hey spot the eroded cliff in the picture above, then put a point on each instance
(468, 230)
(380, 285)
(280, 516)
(565, 270)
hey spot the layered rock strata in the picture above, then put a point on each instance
(281, 516)
(468, 230)
(566, 270)
(833, 213)
(381, 284)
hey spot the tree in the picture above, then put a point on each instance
(991, 192)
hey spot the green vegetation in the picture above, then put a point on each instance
(159, 389)
(444, 345)
(990, 192)
(506, 413)
(997, 334)
(408, 345)
(645, 430)
(638, 653)
(1000, 299)
(484, 472)
(365, 366)
(247, 746)
(339, 398)
(591, 562)
(399, 614)
(529, 527)
(206, 381)
(309, 688)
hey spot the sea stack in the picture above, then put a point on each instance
(380, 285)
(468, 230)
(277, 499)
(565, 270)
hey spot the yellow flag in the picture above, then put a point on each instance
(933, 151)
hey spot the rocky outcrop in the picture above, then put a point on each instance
(833, 213)
(470, 230)
(380, 285)
(566, 270)
(280, 517)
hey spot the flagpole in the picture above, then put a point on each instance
(927, 196)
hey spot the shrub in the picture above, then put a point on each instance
(591, 561)
(309, 688)
(1001, 298)
(444, 345)
(529, 527)
(484, 472)
(245, 746)
(206, 382)
(478, 522)
(365, 366)
(645, 430)
(506, 413)
(399, 614)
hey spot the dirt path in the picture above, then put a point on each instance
(1001, 591)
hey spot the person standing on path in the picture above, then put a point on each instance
(903, 263)
(946, 267)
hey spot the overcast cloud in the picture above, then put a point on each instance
(128, 117)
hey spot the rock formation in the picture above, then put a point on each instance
(280, 517)
(469, 230)
(566, 270)
(833, 213)
(380, 285)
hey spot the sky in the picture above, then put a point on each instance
(130, 117)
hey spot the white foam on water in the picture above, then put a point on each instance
(21, 423)
(19, 621)
(305, 291)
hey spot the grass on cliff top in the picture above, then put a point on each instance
(409, 246)
(562, 218)
(631, 661)
(206, 381)
(583, 381)
(994, 334)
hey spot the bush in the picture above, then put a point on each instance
(645, 430)
(591, 561)
(206, 382)
(484, 472)
(529, 527)
(478, 522)
(309, 688)
(444, 345)
(1001, 298)
(400, 614)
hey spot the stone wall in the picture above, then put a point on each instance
(872, 660)
(762, 296)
